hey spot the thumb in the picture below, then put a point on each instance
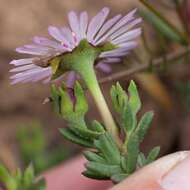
(171, 172)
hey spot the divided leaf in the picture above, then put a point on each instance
(129, 120)
(107, 146)
(69, 135)
(132, 153)
(134, 100)
(153, 154)
(119, 98)
(144, 125)
(103, 169)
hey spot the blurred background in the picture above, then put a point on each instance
(29, 129)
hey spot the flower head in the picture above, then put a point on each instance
(119, 32)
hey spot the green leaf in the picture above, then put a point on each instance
(134, 100)
(94, 175)
(96, 126)
(153, 155)
(124, 163)
(129, 120)
(107, 146)
(69, 135)
(85, 133)
(92, 156)
(28, 176)
(55, 99)
(67, 107)
(7, 179)
(144, 125)
(141, 160)
(81, 105)
(119, 98)
(103, 169)
(132, 153)
(117, 178)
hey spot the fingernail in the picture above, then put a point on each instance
(178, 178)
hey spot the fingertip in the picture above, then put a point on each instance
(150, 177)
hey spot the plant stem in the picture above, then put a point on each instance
(89, 76)
(82, 61)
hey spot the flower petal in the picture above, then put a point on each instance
(127, 36)
(126, 28)
(32, 76)
(74, 23)
(68, 36)
(46, 42)
(58, 35)
(104, 67)
(18, 62)
(106, 27)
(112, 60)
(129, 45)
(31, 51)
(23, 68)
(126, 19)
(96, 23)
(72, 76)
(83, 24)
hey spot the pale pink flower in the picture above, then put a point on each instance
(119, 30)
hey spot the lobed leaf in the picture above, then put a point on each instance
(93, 156)
(132, 153)
(69, 135)
(134, 100)
(103, 169)
(153, 155)
(141, 160)
(107, 146)
(144, 125)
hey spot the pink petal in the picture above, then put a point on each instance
(83, 24)
(58, 35)
(115, 53)
(104, 67)
(122, 22)
(47, 80)
(46, 42)
(74, 23)
(37, 47)
(19, 62)
(125, 28)
(71, 79)
(23, 68)
(106, 27)
(31, 51)
(96, 23)
(68, 36)
(129, 45)
(128, 36)
(112, 60)
(33, 75)
(29, 72)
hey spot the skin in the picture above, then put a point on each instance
(67, 176)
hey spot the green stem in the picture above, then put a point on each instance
(82, 61)
(88, 74)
